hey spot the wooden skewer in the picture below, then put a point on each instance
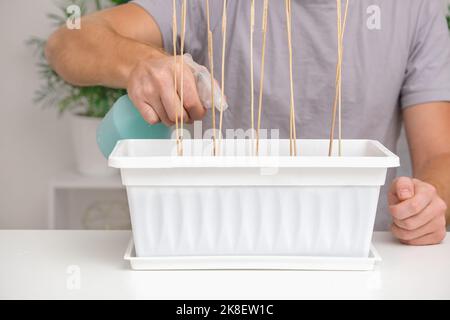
(263, 58)
(333, 120)
(175, 80)
(183, 35)
(286, 2)
(338, 95)
(294, 127)
(224, 44)
(252, 70)
(340, 77)
(211, 67)
(293, 133)
(336, 98)
(339, 28)
(291, 147)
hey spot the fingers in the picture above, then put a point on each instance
(150, 107)
(401, 189)
(151, 88)
(436, 224)
(147, 112)
(424, 194)
(429, 213)
(161, 111)
(136, 95)
(191, 102)
(420, 219)
(428, 239)
(171, 102)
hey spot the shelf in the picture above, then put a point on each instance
(87, 202)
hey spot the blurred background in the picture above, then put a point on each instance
(48, 179)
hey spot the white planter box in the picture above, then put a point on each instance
(241, 205)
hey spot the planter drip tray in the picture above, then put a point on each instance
(252, 262)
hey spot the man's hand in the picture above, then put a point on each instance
(152, 89)
(418, 212)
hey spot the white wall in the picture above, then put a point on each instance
(34, 143)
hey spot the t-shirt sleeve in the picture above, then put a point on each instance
(196, 30)
(427, 76)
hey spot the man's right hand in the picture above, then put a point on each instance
(129, 56)
(152, 89)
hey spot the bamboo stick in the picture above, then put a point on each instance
(333, 120)
(252, 71)
(336, 98)
(211, 67)
(183, 36)
(224, 44)
(340, 77)
(263, 58)
(293, 133)
(337, 106)
(175, 73)
(294, 127)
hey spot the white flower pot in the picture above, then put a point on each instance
(89, 159)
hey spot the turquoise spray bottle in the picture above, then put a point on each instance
(123, 121)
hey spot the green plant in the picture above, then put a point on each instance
(89, 101)
(448, 17)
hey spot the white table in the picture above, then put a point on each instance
(89, 265)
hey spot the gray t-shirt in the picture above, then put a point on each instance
(396, 55)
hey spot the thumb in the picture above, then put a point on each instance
(404, 188)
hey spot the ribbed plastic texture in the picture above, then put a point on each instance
(241, 205)
(309, 221)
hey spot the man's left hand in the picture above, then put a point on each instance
(418, 212)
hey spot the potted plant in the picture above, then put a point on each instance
(448, 17)
(86, 105)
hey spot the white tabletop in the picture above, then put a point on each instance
(46, 265)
